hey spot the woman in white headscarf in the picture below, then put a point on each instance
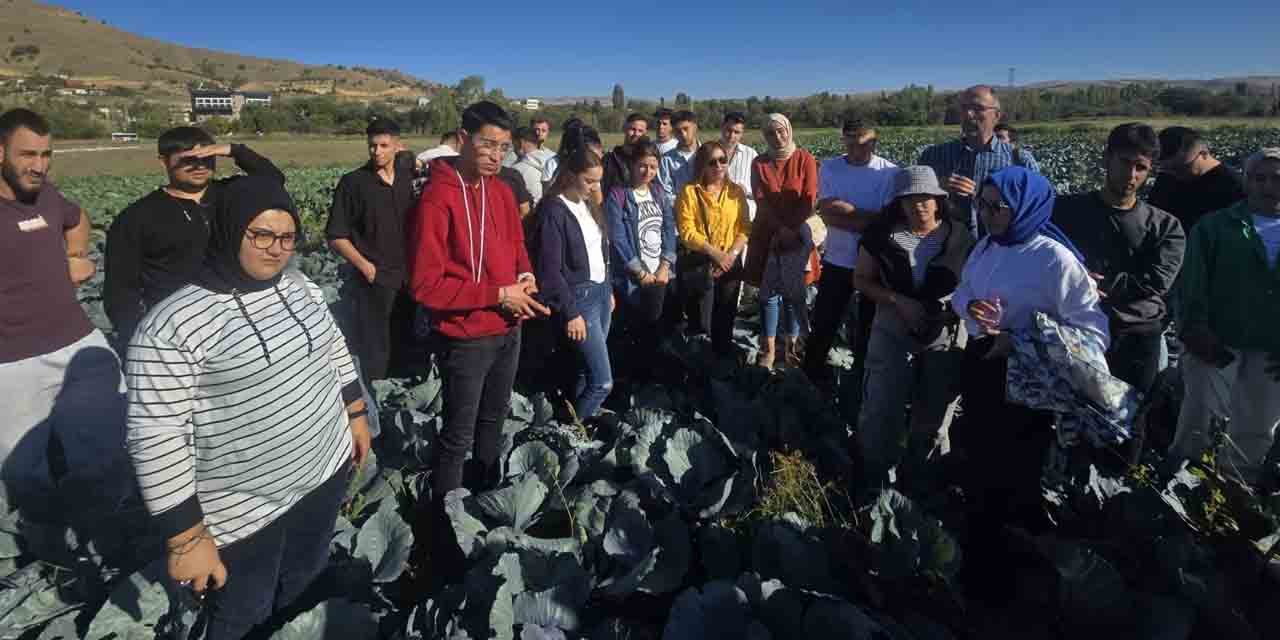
(785, 184)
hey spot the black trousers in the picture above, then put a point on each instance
(478, 375)
(835, 291)
(1135, 358)
(1004, 446)
(713, 309)
(268, 570)
(645, 317)
(376, 318)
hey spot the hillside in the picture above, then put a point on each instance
(1256, 84)
(42, 39)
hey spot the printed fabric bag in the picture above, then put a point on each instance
(1064, 370)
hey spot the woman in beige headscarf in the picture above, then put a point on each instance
(785, 184)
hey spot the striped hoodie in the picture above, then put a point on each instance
(237, 405)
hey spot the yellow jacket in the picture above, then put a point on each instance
(721, 221)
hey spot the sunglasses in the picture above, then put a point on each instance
(720, 160)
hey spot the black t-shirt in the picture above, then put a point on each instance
(156, 245)
(516, 181)
(1137, 251)
(1189, 201)
(372, 214)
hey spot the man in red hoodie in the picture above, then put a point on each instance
(469, 267)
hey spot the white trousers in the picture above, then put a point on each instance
(77, 393)
(1241, 391)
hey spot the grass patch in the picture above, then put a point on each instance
(794, 487)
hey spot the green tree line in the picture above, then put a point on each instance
(911, 106)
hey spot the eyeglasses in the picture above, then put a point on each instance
(720, 160)
(263, 239)
(491, 146)
(993, 206)
(978, 109)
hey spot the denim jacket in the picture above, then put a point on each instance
(624, 236)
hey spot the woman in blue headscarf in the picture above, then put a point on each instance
(1024, 270)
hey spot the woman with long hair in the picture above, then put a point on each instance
(643, 233)
(573, 271)
(575, 136)
(785, 183)
(909, 264)
(713, 220)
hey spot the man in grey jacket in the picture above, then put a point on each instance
(1132, 250)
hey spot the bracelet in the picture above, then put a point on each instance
(502, 296)
(358, 414)
(186, 546)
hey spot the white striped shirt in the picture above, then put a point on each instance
(220, 430)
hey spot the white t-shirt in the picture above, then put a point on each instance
(664, 147)
(1269, 230)
(591, 236)
(740, 174)
(549, 169)
(869, 187)
(442, 151)
(650, 231)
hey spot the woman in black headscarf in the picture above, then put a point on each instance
(245, 416)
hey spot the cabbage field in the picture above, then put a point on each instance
(723, 504)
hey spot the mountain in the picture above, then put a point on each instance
(1255, 83)
(38, 39)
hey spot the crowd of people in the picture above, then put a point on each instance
(965, 281)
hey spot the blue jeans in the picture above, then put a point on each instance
(772, 308)
(595, 376)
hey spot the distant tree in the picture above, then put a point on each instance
(619, 98)
(469, 89)
(443, 113)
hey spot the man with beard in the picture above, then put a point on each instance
(617, 163)
(1131, 249)
(963, 165)
(62, 418)
(367, 228)
(157, 244)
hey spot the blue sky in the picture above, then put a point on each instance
(786, 48)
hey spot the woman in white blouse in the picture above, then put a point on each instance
(1023, 266)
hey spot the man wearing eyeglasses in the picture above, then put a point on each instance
(470, 268)
(156, 245)
(1192, 182)
(367, 228)
(962, 165)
